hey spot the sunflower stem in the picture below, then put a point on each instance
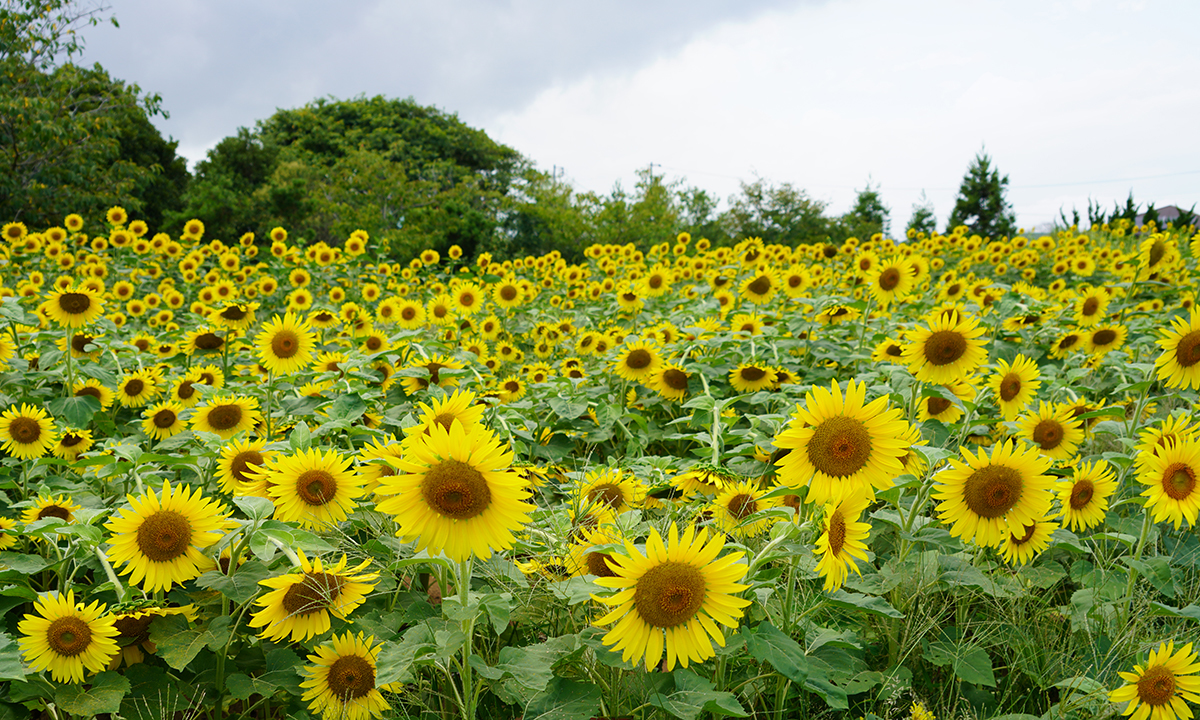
(1147, 523)
(469, 695)
(862, 329)
(70, 384)
(112, 576)
(270, 390)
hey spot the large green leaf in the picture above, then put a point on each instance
(241, 586)
(102, 695)
(10, 659)
(282, 672)
(970, 662)
(694, 695)
(178, 644)
(153, 694)
(854, 601)
(768, 644)
(564, 700)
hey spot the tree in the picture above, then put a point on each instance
(981, 204)
(923, 219)
(778, 214)
(868, 216)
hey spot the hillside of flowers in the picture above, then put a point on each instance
(938, 477)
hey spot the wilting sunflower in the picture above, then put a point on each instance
(738, 502)
(637, 361)
(132, 620)
(987, 499)
(61, 507)
(843, 540)
(28, 432)
(669, 381)
(299, 604)
(74, 307)
(341, 680)
(1019, 549)
(671, 598)
(948, 348)
(1053, 429)
(751, 377)
(159, 536)
(163, 420)
(840, 446)
(457, 494)
(285, 345)
(67, 637)
(1084, 496)
(313, 487)
(1105, 338)
(1172, 474)
(227, 416)
(435, 366)
(1014, 384)
(1179, 363)
(1163, 689)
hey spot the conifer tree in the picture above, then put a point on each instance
(981, 204)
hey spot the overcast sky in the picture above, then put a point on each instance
(1078, 99)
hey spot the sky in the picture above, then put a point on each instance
(1071, 99)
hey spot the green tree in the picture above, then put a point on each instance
(922, 219)
(777, 214)
(868, 216)
(981, 204)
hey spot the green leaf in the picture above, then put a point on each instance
(397, 661)
(102, 696)
(768, 644)
(256, 508)
(282, 673)
(567, 408)
(574, 590)
(873, 605)
(564, 699)
(970, 662)
(177, 643)
(295, 538)
(694, 695)
(347, 407)
(498, 607)
(300, 437)
(154, 695)
(1157, 572)
(76, 410)
(24, 564)
(241, 586)
(11, 667)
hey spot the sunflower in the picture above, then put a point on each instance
(28, 432)
(732, 508)
(457, 494)
(413, 385)
(1014, 384)
(203, 341)
(1053, 429)
(61, 507)
(299, 604)
(948, 348)
(285, 345)
(843, 540)
(670, 381)
(988, 499)
(227, 416)
(163, 420)
(1179, 363)
(341, 680)
(136, 389)
(159, 536)
(761, 286)
(892, 280)
(72, 443)
(837, 315)
(637, 361)
(1164, 687)
(1084, 497)
(890, 350)
(468, 299)
(67, 637)
(706, 479)
(1173, 429)
(313, 487)
(75, 307)
(1020, 549)
(669, 598)
(1105, 338)
(840, 446)
(619, 490)
(751, 377)
(1091, 306)
(1171, 474)
(235, 316)
(239, 461)
(937, 404)
(132, 620)
(459, 407)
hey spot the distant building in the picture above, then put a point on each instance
(1166, 214)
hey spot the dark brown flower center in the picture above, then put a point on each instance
(233, 312)
(1029, 531)
(894, 350)
(316, 592)
(598, 565)
(56, 511)
(89, 391)
(836, 530)
(889, 279)
(1187, 352)
(408, 313)
(1179, 480)
(752, 373)
(839, 447)
(1157, 250)
(69, 636)
(25, 430)
(164, 536)
(1104, 337)
(241, 464)
(316, 487)
(638, 359)
(608, 493)
(1090, 306)
(992, 491)
(374, 343)
(164, 418)
(742, 506)
(209, 341)
(185, 390)
(350, 677)
(669, 594)
(1010, 387)
(134, 387)
(71, 439)
(74, 303)
(1156, 686)
(80, 341)
(509, 293)
(133, 630)
(944, 347)
(675, 379)
(285, 344)
(225, 417)
(1048, 434)
(937, 405)
(761, 285)
(455, 489)
(1081, 494)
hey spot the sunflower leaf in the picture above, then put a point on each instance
(103, 696)
(768, 644)
(76, 410)
(565, 699)
(694, 695)
(240, 586)
(10, 660)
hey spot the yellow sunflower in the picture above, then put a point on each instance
(1014, 385)
(1164, 687)
(1033, 539)
(1090, 307)
(163, 420)
(235, 316)
(313, 487)
(613, 487)
(761, 286)
(75, 307)
(1179, 363)
(458, 407)
(67, 637)
(843, 540)
(840, 446)
(341, 680)
(227, 416)
(1105, 338)
(138, 388)
(948, 348)
(751, 377)
(670, 381)
(72, 443)
(159, 536)
(1084, 497)
(285, 345)
(61, 507)
(457, 494)
(1053, 429)
(239, 461)
(987, 499)
(299, 604)
(731, 510)
(435, 366)
(28, 432)
(892, 280)
(1171, 474)
(637, 361)
(133, 626)
(670, 599)
(590, 552)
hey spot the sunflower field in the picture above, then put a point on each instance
(939, 477)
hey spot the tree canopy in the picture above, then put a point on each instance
(981, 204)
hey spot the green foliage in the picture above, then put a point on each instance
(868, 216)
(923, 219)
(777, 214)
(981, 204)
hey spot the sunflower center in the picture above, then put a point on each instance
(457, 490)
(88, 390)
(241, 463)
(1048, 434)
(225, 417)
(990, 492)
(233, 312)
(1104, 337)
(675, 379)
(836, 532)
(445, 420)
(1157, 250)
(314, 593)
(937, 405)
(209, 341)
(638, 359)
(1179, 480)
(1081, 494)
(761, 285)
(25, 430)
(351, 677)
(1187, 352)
(608, 493)
(598, 565)
(70, 440)
(508, 292)
(839, 447)
(316, 487)
(285, 344)
(1010, 387)
(185, 390)
(742, 506)
(74, 303)
(670, 594)
(133, 630)
(69, 635)
(466, 300)
(1156, 686)
(134, 387)
(753, 374)
(164, 419)
(56, 511)
(894, 350)
(408, 313)
(1090, 306)
(80, 341)
(944, 347)
(433, 368)
(1029, 531)
(795, 281)
(374, 343)
(656, 282)
(164, 536)
(889, 279)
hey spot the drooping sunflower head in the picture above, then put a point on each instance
(61, 507)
